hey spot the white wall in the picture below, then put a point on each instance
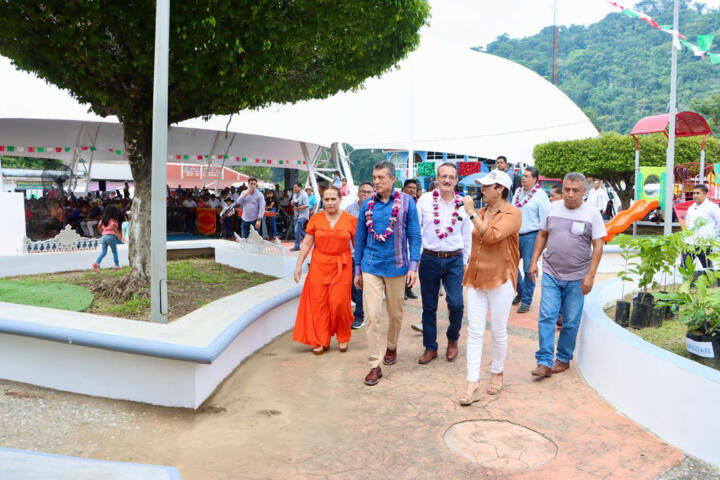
(12, 222)
(673, 397)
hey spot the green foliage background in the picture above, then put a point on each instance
(618, 70)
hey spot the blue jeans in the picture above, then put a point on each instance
(245, 228)
(432, 271)
(111, 241)
(273, 223)
(299, 230)
(526, 287)
(227, 227)
(357, 297)
(558, 295)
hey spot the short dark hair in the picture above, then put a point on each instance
(297, 184)
(702, 187)
(533, 171)
(557, 188)
(409, 181)
(389, 166)
(366, 183)
(505, 192)
(503, 157)
(252, 179)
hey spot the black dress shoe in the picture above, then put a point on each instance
(409, 294)
(516, 300)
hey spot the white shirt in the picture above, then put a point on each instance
(189, 203)
(461, 236)
(214, 203)
(710, 213)
(598, 198)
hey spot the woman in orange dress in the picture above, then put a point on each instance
(324, 308)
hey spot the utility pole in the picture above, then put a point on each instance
(670, 156)
(555, 45)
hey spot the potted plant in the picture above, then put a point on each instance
(622, 308)
(699, 308)
(651, 262)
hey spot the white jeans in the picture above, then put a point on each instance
(498, 301)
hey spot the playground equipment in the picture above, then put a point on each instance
(688, 124)
(624, 219)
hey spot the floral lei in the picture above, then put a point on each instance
(397, 201)
(528, 196)
(436, 213)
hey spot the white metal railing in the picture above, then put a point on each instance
(67, 240)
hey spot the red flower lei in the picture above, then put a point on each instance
(436, 213)
(393, 217)
(527, 197)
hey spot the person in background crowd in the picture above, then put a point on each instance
(490, 278)
(301, 213)
(226, 217)
(191, 214)
(533, 203)
(92, 219)
(125, 228)
(446, 237)
(502, 164)
(337, 182)
(126, 191)
(556, 193)
(271, 205)
(313, 203)
(179, 192)
(569, 230)
(365, 191)
(703, 216)
(410, 188)
(598, 198)
(387, 250)
(108, 227)
(324, 308)
(214, 202)
(344, 189)
(253, 204)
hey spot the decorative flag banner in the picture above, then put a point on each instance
(426, 169)
(699, 50)
(468, 168)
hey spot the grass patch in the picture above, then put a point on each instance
(192, 283)
(670, 336)
(46, 294)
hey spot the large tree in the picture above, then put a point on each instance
(225, 56)
(611, 157)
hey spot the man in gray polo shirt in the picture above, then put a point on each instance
(252, 203)
(568, 230)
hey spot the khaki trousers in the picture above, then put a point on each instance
(377, 323)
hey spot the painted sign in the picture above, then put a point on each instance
(191, 171)
(651, 184)
(701, 349)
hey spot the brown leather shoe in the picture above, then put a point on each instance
(559, 367)
(390, 356)
(542, 371)
(427, 356)
(373, 377)
(452, 350)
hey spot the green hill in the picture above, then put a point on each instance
(618, 69)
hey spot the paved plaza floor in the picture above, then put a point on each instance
(286, 414)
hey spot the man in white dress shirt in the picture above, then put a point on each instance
(446, 241)
(598, 198)
(704, 217)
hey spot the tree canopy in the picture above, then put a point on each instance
(225, 56)
(611, 157)
(618, 69)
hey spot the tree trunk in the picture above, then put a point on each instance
(138, 148)
(625, 193)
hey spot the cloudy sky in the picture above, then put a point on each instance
(467, 22)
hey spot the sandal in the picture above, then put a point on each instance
(343, 347)
(466, 399)
(494, 388)
(319, 350)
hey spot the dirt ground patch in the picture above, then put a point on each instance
(192, 283)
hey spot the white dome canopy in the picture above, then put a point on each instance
(443, 97)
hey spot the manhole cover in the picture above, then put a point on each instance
(499, 444)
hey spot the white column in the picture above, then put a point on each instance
(158, 210)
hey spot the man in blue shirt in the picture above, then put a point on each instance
(387, 252)
(312, 200)
(533, 202)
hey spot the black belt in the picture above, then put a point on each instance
(528, 233)
(441, 254)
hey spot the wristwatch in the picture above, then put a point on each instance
(472, 217)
